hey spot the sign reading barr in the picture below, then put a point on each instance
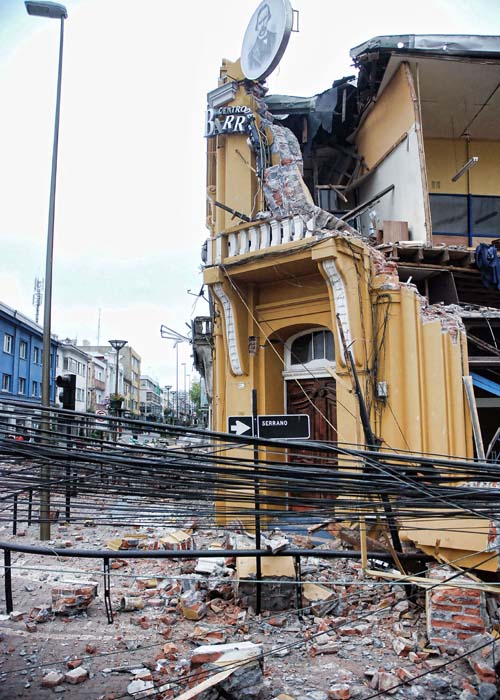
(228, 120)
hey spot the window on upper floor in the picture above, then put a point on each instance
(22, 385)
(6, 382)
(34, 388)
(37, 355)
(8, 343)
(312, 346)
(23, 350)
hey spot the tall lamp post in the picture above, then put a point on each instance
(170, 334)
(185, 404)
(168, 387)
(52, 10)
(117, 345)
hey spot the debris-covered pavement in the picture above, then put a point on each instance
(186, 628)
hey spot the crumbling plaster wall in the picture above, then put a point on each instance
(394, 337)
(390, 141)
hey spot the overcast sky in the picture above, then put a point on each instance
(130, 201)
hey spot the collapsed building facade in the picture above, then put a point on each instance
(345, 226)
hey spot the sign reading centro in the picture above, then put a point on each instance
(227, 120)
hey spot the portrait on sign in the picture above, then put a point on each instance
(266, 38)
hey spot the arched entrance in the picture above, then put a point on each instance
(311, 389)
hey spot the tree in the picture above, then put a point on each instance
(195, 395)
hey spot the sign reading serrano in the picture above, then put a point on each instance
(228, 120)
(286, 427)
(289, 427)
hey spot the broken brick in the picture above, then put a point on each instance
(77, 675)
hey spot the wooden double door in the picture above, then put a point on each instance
(318, 399)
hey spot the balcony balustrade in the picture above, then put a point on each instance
(257, 237)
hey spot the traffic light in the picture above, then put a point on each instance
(67, 397)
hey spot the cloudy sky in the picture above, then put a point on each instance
(130, 193)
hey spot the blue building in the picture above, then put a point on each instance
(21, 341)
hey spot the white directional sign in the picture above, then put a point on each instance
(240, 425)
(288, 426)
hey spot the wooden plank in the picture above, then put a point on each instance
(476, 427)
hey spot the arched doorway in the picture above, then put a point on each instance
(311, 389)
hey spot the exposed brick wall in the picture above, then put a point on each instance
(454, 614)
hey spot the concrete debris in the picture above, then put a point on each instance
(76, 675)
(454, 614)
(71, 597)
(40, 614)
(16, 616)
(52, 679)
(483, 656)
(192, 605)
(141, 689)
(186, 629)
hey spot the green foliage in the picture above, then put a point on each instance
(195, 395)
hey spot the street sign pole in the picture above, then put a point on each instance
(258, 562)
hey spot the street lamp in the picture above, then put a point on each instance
(170, 334)
(185, 406)
(55, 11)
(117, 345)
(168, 387)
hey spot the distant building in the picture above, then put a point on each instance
(151, 399)
(130, 360)
(21, 341)
(73, 360)
(97, 370)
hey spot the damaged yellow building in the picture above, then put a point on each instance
(356, 212)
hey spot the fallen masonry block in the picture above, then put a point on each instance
(141, 689)
(279, 592)
(192, 605)
(483, 653)
(313, 592)
(339, 691)
(77, 675)
(52, 679)
(71, 597)
(40, 615)
(241, 674)
(16, 616)
(201, 633)
(226, 654)
(454, 613)
(208, 565)
(177, 540)
(402, 646)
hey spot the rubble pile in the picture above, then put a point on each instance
(71, 597)
(187, 628)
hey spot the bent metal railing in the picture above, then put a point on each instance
(108, 554)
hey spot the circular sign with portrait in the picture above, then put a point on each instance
(266, 38)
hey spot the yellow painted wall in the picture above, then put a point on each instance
(445, 157)
(426, 409)
(275, 296)
(388, 120)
